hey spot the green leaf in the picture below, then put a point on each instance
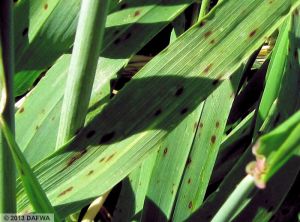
(33, 189)
(205, 148)
(189, 63)
(44, 102)
(274, 149)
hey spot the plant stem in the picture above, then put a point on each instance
(88, 41)
(238, 196)
(7, 168)
(204, 8)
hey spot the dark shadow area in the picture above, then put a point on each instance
(249, 96)
(213, 203)
(290, 208)
(141, 107)
(152, 212)
(124, 208)
(262, 200)
(34, 59)
(66, 209)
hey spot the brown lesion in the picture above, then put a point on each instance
(252, 33)
(90, 172)
(76, 157)
(202, 23)
(206, 70)
(21, 110)
(189, 161)
(165, 151)
(213, 139)
(65, 191)
(137, 13)
(110, 157)
(207, 34)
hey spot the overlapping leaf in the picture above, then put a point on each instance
(189, 64)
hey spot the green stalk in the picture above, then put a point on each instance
(34, 191)
(238, 196)
(7, 168)
(204, 8)
(87, 45)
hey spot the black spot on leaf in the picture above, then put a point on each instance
(107, 137)
(90, 134)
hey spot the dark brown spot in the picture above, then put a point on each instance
(157, 112)
(53, 118)
(190, 204)
(207, 68)
(137, 13)
(165, 151)
(91, 171)
(76, 157)
(123, 6)
(217, 124)
(179, 91)
(188, 162)
(117, 41)
(107, 137)
(215, 82)
(25, 31)
(296, 12)
(207, 34)
(21, 110)
(110, 157)
(65, 191)
(195, 126)
(189, 180)
(36, 127)
(101, 160)
(296, 54)
(46, 6)
(183, 111)
(90, 134)
(252, 33)
(213, 139)
(202, 23)
(201, 125)
(212, 41)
